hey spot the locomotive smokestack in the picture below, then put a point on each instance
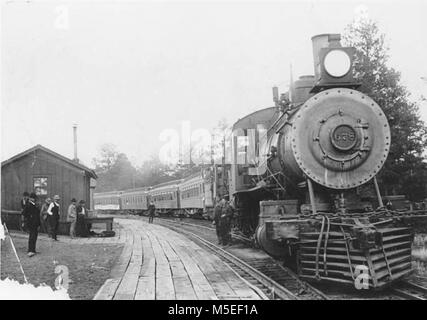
(75, 142)
(323, 41)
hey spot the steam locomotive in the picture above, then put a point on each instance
(304, 174)
(302, 178)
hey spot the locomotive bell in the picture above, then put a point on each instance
(339, 138)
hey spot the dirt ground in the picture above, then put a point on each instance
(89, 265)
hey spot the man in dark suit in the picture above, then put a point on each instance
(32, 221)
(216, 220)
(226, 218)
(151, 212)
(83, 230)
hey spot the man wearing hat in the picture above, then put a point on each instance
(81, 229)
(72, 217)
(32, 219)
(151, 211)
(53, 216)
(225, 221)
(217, 219)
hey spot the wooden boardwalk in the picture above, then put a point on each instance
(158, 263)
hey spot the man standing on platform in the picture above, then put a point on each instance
(53, 216)
(151, 212)
(216, 222)
(32, 221)
(226, 217)
(72, 217)
(44, 227)
(82, 229)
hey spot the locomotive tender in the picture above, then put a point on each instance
(305, 184)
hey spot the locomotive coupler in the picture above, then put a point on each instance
(366, 238)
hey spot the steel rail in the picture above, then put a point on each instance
(237, 236)
(411, 291)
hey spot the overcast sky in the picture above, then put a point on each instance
(125, 71)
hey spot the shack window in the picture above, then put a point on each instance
(40, 186)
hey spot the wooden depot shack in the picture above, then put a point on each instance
(46, 173)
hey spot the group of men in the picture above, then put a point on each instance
(75, 215)
(223, 216)
(47, 217)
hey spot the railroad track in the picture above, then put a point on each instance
(234, 235)
(409, 290)
(276, 281)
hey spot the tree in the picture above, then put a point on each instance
(220, 141)
(114, 170)
(153, 171)
(404, 167)
(106, 159)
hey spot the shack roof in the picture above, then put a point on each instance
(53, 154)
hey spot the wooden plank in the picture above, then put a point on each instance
(206, 263)
(123, 261)
(240, 288)
(146, 289)
(201, 286)
(165, 289)
(183, 288)
(148, 268)
(177, 269)
(127, 287)
(166, 265)
(108, 289)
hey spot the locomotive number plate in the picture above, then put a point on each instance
(344, 137)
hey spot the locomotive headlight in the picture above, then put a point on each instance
(337, 63)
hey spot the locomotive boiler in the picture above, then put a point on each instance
(303, 177)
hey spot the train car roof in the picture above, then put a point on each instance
(264, 116)
(191, 178)
(107, 193)
(165, 184)
(135, 190)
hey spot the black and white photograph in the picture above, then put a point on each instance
(213, 154)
